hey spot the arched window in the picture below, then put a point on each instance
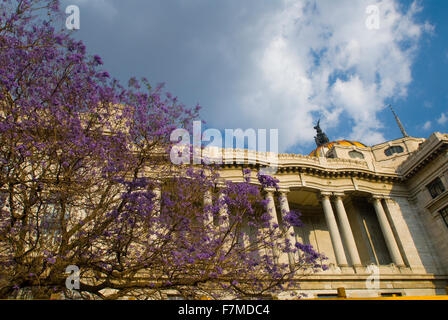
(356, 154)
(394, 149)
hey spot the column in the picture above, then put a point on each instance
(208, 202)
(157, 199)
(273, 213)
(334, 232)
(223, 211)
(271, 205)
(284, 206)
(400, 226)
(347, 234)
(387, 232)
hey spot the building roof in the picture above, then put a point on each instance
(318, 151)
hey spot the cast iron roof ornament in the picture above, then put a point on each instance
(400, 125)
(321, 137)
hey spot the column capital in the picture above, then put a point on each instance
(388, 200)
(156, 186)
(269, 190)
(221, 184)
(374, 197)
(339, 195)
(324, 195)
(284, 191)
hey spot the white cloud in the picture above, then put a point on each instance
(443, 119)
(427, 125)
(266, 64)
(289, 86)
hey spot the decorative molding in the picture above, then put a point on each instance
(339, 195)
(270, 190)
(284, 190)
(325, 194)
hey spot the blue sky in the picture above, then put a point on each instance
(284, 64)
(428, 94)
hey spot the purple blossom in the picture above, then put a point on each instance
(76, 141)
(51, 260)
(97, 60)
(293, 218)
(268, 181)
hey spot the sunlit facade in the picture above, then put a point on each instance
(380, 208)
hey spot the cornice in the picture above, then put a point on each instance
(428, 150)
(330, 172)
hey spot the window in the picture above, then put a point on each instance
(356, 155)
(331, 154)
(436, 188)
(394, 149)
(444, 214)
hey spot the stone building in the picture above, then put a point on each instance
(379, 213)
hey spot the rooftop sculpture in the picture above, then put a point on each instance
(321, 137)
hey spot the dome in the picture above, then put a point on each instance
(320, 151)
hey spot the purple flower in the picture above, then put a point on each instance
(62, 105)
(97, 60)
(293, 218)
(51, 260)
(268, 181)
(104, 74)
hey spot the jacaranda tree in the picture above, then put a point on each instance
(86, 181)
